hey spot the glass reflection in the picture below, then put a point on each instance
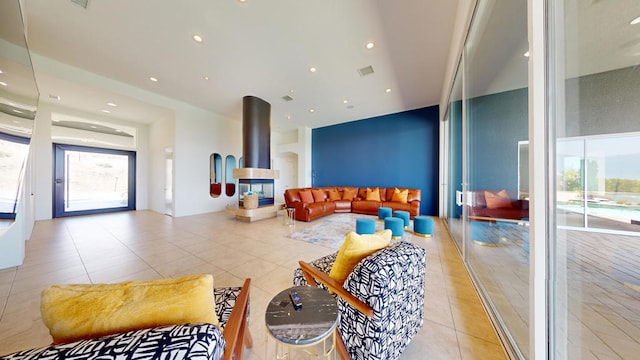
(18, 103)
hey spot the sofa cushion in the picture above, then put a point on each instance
(82, 311)
(373, 194)
(355, 248)
(306, 196)
(334, 195)
(188, 341)
(349, 194)
(498, 200)
(400, 196)
(318, 195)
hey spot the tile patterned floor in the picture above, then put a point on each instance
(143, 245)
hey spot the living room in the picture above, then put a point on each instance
(471, 120)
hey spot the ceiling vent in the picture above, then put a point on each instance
(82, 3)
(367, 70)
(287, 98)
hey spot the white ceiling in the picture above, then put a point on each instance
(259, 47)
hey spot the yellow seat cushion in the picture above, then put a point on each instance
(400, 196)
(355, 248)
(83, 311)
(373, 195)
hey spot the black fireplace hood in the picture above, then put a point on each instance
(256, 140)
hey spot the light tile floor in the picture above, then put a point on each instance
(143, 245)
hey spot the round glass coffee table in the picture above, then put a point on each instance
(312, 326)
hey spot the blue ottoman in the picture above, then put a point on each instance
(404, 215)
(384, 212)
(423, 226)
(396, 225)
(365, 226)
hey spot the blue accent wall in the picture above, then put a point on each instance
(396, 150)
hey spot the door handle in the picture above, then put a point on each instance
(59, 181)
(459, 199)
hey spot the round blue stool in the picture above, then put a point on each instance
(423, 226)
(365, 226)
(396, 225)
(404, 215)
(384, 212)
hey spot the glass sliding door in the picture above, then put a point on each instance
(92, 180)
(454, 190)
(595, 237)
(495, 127)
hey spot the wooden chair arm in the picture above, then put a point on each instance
(236, 328)
(313, 275)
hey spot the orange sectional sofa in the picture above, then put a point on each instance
(313, 203)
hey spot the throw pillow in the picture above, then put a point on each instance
(355, 248)
(349, 194)
(400, 196)
(306, 196)
(334, 195)
(318, 195)
(82, 311)
(373, 195)
(499, 200)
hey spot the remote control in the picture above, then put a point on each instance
(295, 299)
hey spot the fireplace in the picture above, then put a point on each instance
(256, 177)
(262, 187)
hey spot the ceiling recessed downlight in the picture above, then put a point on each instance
(197, 38)
(370, 45)
(3, 83)
(111, 104)
(312, 69)
(54, 97)
(106, 111)
(527, 54)
(635, 21)
(153, 79)
(388, 90)
(312, 110)
(345, 101)
(206, 78)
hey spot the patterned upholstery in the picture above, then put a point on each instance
(391, 281)
(189, 341)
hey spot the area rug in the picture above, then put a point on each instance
(332, 230)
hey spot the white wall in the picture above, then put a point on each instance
(198, 134)
(289, 145)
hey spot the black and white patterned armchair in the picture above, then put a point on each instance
(185, 341)
(381, 303)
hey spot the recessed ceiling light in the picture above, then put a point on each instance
(94, 127)
(370, 45)
(312, 69)
(345, 101)
(311, 110)
(635, 21)
(111, 104)
(1, 72)
(197, 38)
(388, 90)
(54, 97)
(206, 78)
(118, 130)
(288, 117)
(526, 54)
(153, 79)
(106, 111)
(3, 83)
